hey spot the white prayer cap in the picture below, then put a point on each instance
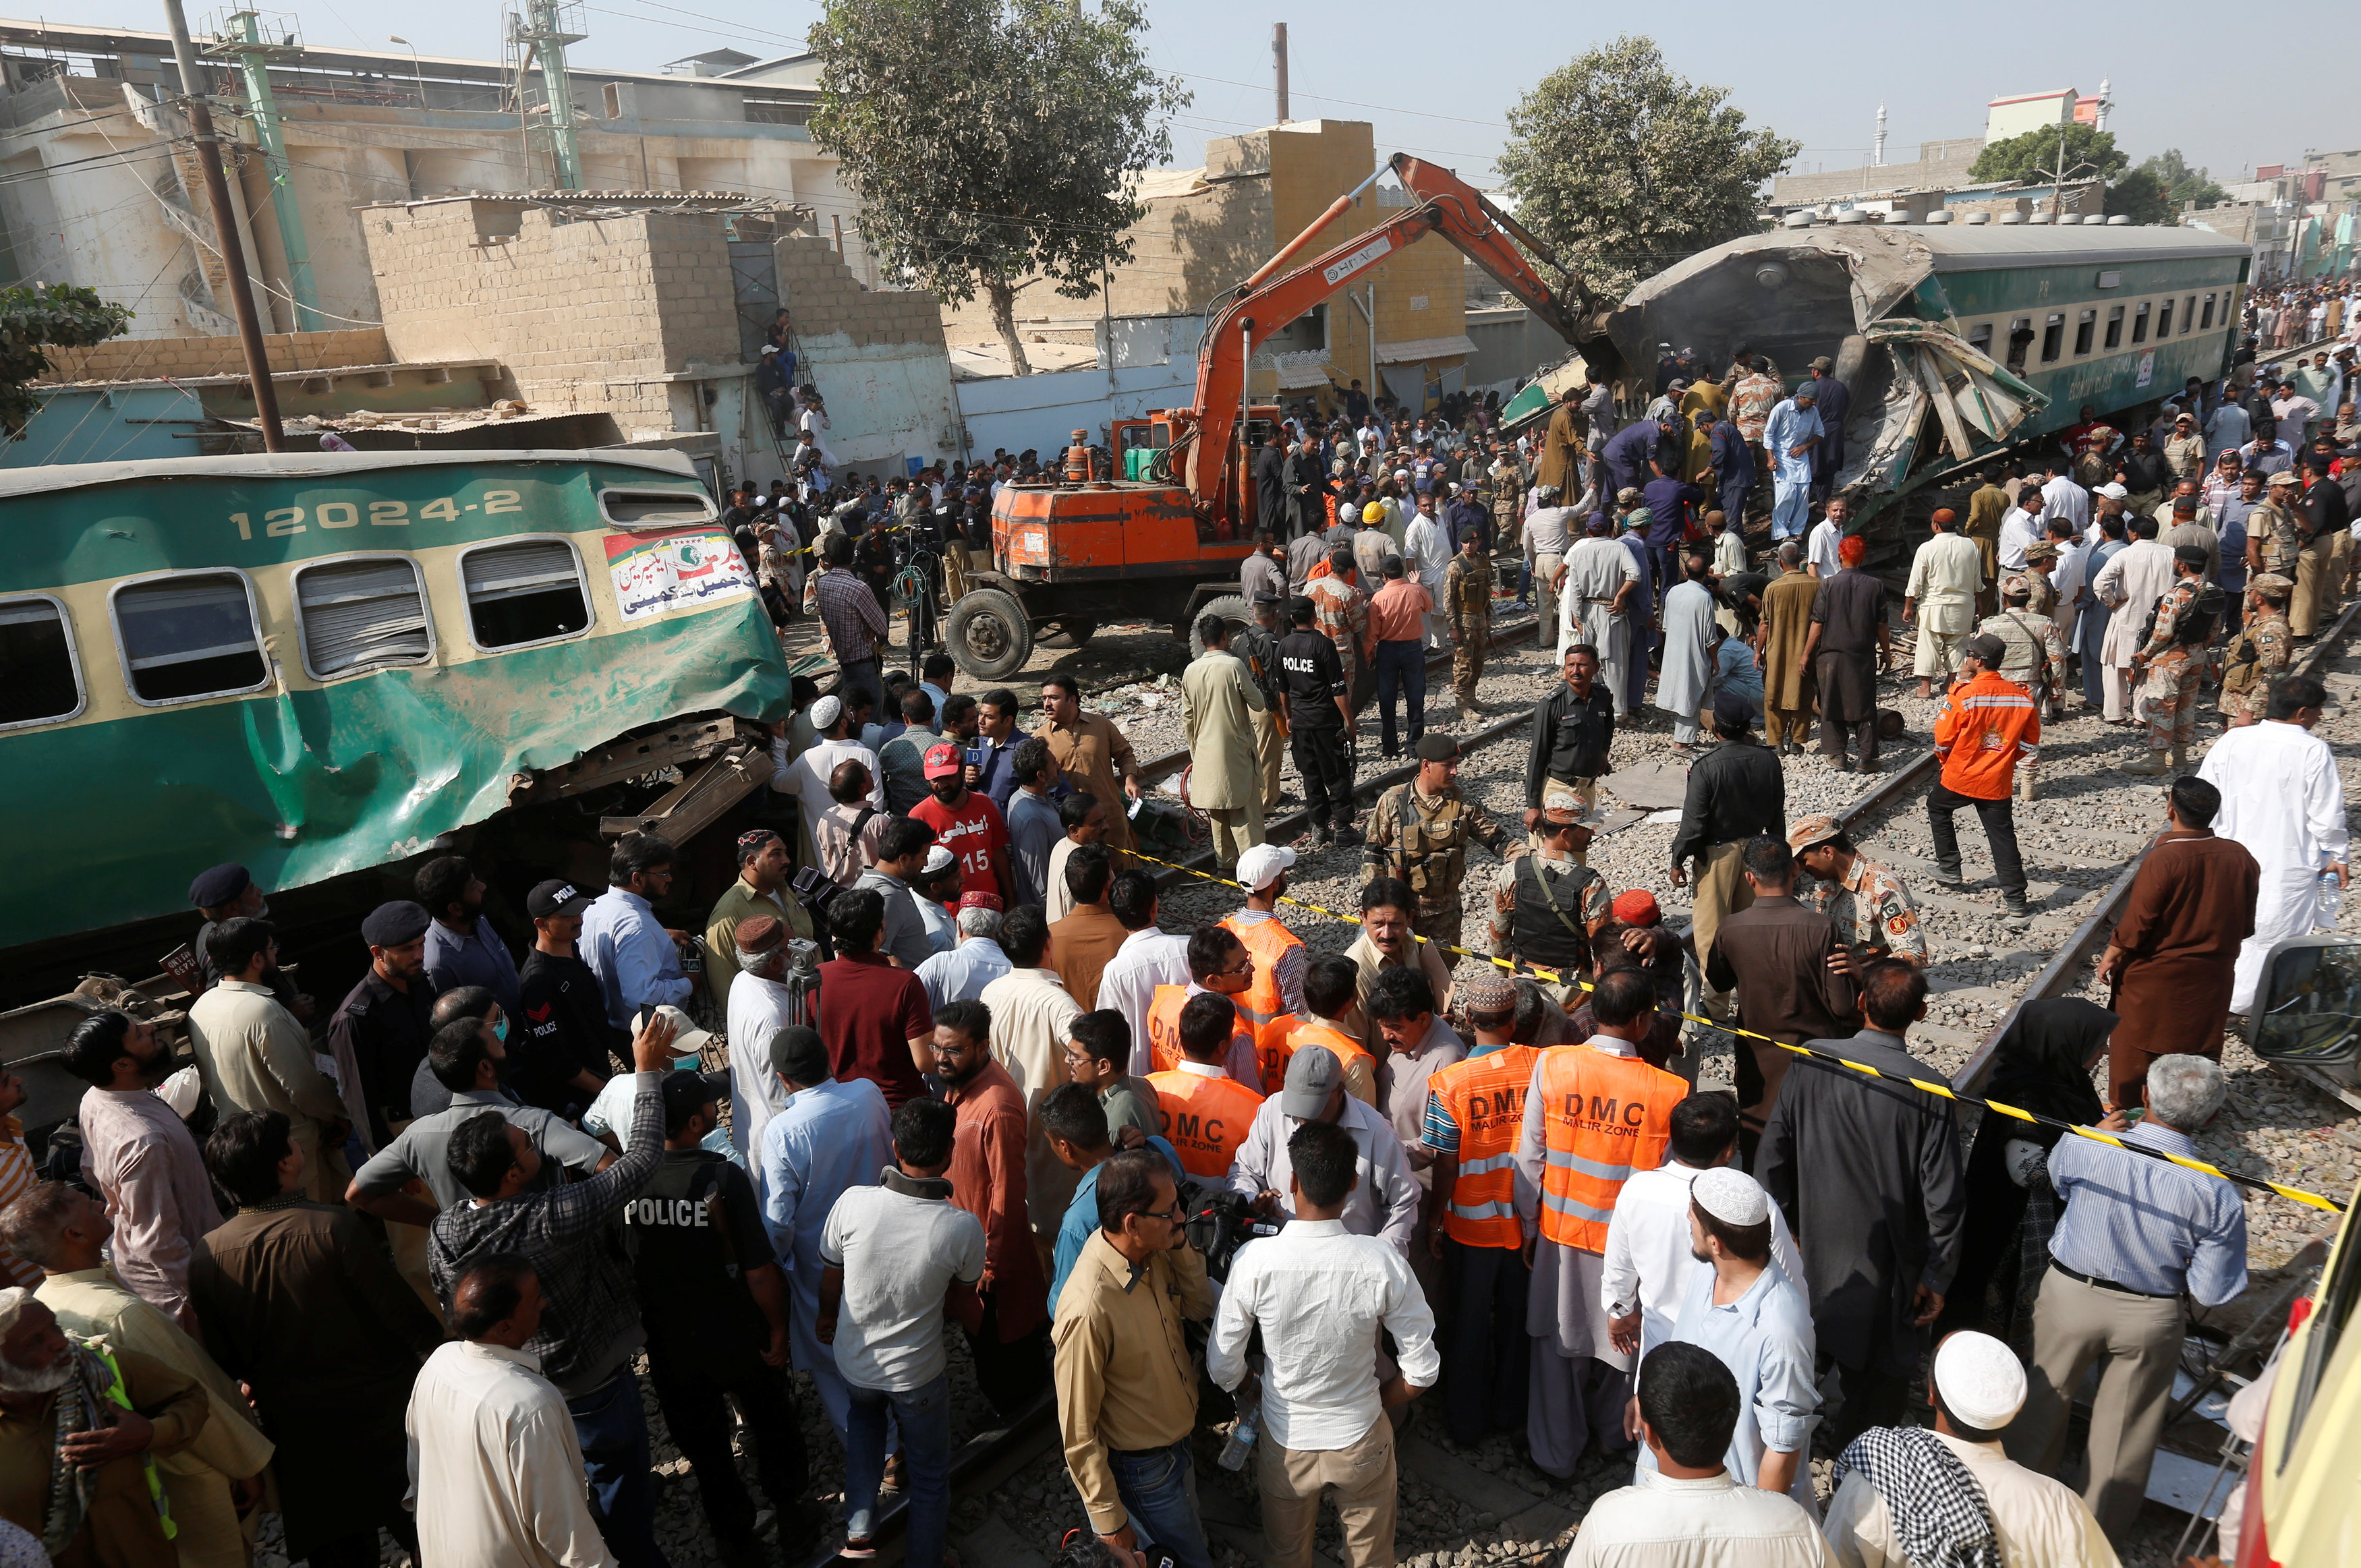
(939, 861)
(825, 712)
(1732, 1196)
(1979, 1378)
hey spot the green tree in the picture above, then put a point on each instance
(1624, 168)
(989, 139)
(2181, 183)
(2139, 195)
(2033, 157)
(40, 317)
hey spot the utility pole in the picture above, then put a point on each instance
(544, 33)
(253, 54)
(233, 254)
(1279, 66)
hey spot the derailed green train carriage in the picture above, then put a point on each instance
(1956, 341)
(321, 665)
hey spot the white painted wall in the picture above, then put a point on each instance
(1155, 368)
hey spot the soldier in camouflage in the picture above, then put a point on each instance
(2173, 660)
(1468, 607)
(2260, 653)
(1874, 915)
(2037, 653)
(1256, 646)
(1419, 832)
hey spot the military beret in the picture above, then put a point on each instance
(1434, 747)
(395, 924)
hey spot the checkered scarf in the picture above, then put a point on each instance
(1939, 1515)
(82, 1406)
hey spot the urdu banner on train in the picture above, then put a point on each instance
(654, 574)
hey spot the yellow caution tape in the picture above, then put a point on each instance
(2297, 1194)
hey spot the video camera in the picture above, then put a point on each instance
(1219, 1222)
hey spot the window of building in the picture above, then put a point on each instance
(2164, 320)
(2053, 337)
(2115, 327)
(2020, 338)
(2139, 324)
(362, 614)
(525, 591)
(189, 635)
(2085, 329)
(2209, 313)
(41, 675)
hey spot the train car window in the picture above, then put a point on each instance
(362, 614)
(2139, 324)
(655, 509)
(2020, 338)
(2164, 320)
(1980, 338)
(40, 674)
(2115, 327)
(523, 592)
(2188, 315)
(2053, 337)
(188, 635)
(2209, 313)
(2085, 329)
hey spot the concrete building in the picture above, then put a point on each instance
(1207, 229)
(96, 193)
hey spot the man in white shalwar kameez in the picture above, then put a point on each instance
(2129, 587)
(1686, 676)
(1426, 551)
(1790, 437)
(2282, 799)
(1946, 576)
(1595, 602)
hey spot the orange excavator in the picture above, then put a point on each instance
(1165, 544)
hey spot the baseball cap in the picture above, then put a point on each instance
(686, 1037)
(1259, 865)
(686, 1091)
(1988, 649)
(550, 900)
(943, 761)
(1314, 1076)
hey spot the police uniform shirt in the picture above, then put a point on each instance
(694, 1232)
(1315, 678)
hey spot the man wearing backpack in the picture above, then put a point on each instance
(2173, 659)
(2260, 653)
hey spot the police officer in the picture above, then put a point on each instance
(1420, 832)
(2261, 652)
(1320, 725)
(1256, 646)
(1548, 906)
(2173, 660)
(1467, 606)
(715, 1306)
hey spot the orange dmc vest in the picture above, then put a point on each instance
(1485, 1098)
(1205, 1119)
(1274, 1043)
(1348, 1049)
(1267, 942)
(1603, 1117)
(1164, 1027)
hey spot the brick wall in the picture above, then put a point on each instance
(587, 316)
(828, 299)
(147, 358)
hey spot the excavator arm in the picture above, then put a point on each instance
(1447, 205)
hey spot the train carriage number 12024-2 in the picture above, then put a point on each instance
(286, 520)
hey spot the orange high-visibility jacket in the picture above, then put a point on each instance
(1205, 1119)
(1603, 1117)
(1267, 942)
(1987, 728)
(1485, 1098)
(1274, 1043)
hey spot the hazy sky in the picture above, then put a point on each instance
(1439, 79)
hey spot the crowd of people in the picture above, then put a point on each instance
(402, 1264)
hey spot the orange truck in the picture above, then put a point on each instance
(1074, 553)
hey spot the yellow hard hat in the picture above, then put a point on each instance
(1373, 513)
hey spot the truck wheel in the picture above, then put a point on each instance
(988, 634)
(1072, 633)
(1231, 607)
